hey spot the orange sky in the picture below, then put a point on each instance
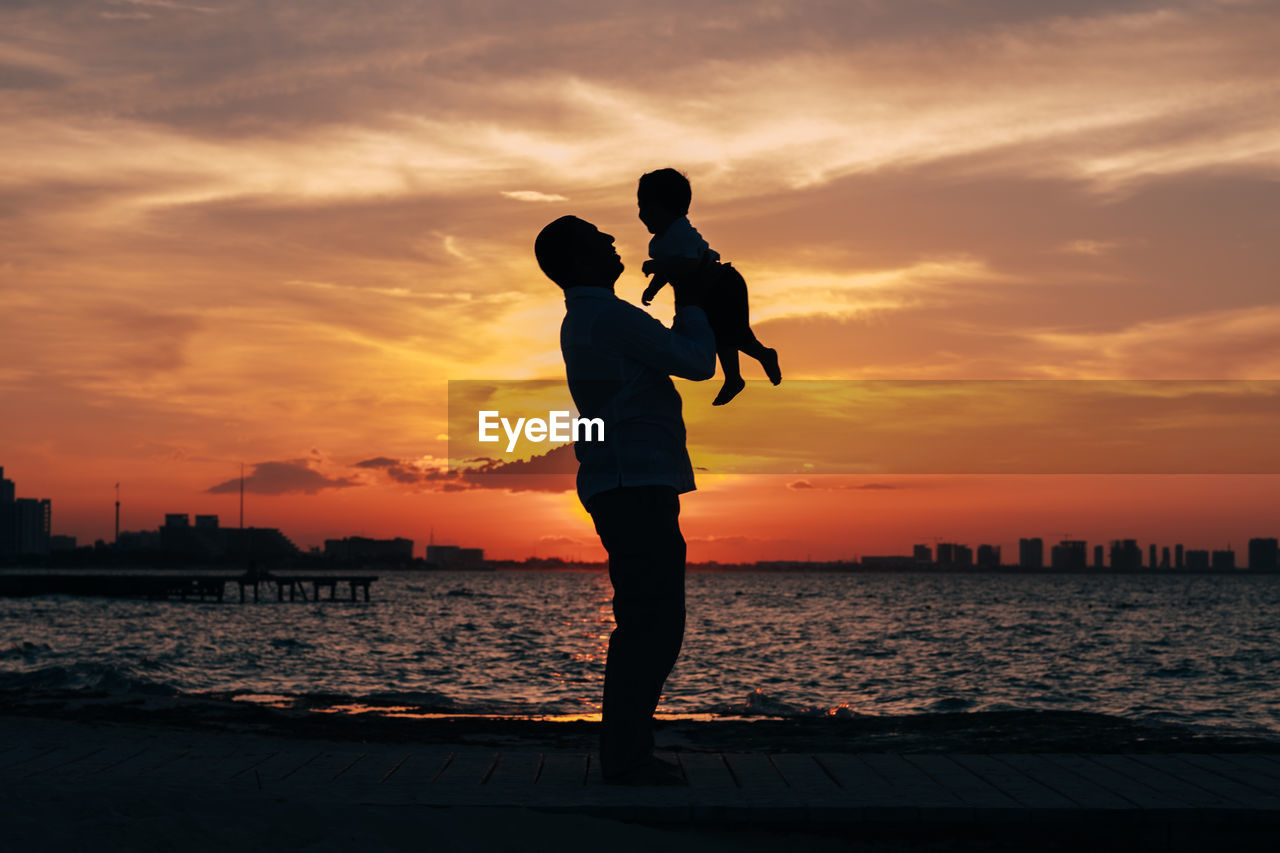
(272, 233)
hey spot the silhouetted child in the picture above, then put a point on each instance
(678, 253)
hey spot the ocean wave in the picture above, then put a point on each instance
(84, 676)
(290, 643)
(761, 704)
(24, 651)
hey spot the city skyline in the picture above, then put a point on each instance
(972, 545)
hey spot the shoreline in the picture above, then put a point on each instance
(1027, 731)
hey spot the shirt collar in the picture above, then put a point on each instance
(580, 292)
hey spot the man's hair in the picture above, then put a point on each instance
(555, 248)
(666, 187)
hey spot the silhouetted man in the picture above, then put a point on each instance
(619, 362)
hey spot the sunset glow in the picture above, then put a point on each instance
(272, 234)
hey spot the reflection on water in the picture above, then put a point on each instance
(1183, 649)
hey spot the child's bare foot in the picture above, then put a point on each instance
(770, 364)
(730, 389)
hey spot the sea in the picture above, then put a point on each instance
(1201, 650)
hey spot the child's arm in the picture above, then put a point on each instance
(659, 282)
(664, 271)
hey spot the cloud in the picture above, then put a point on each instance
(377, 462)
(533, 196)
(565, 540)
(395, 469)
(1227, 344)
(556, 461)
(1089, 247)
(293, 476)
(226, 230)
(553, 471)
(760, 546)
(802, 485)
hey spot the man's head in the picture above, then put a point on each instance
(574, 253)
(663, 196)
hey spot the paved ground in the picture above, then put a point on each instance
(1166, 801)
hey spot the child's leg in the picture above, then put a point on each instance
(767, 357)
(733, 383)
(721, 302)
(739, 314)
(752, 346)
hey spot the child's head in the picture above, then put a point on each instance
(663, 197)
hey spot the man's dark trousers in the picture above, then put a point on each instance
(640, 528)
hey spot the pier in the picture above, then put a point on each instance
(185, 585)
(1168, 802)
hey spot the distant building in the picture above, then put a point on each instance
(250, 543)
(58, 543)
(1197, 561)
(207, 541)
(964, 557)
(1224, 561)
(922, 554)
(359, 549)
(1177, 557)
(988, 556)
(453, 557)
(1151, 556)
(31, 523)
(1126, 556)
(131, 541)
(946, 554)
(1164, 557)
(1069, 555)
(1263, 555)
(1097, 556)
(7, 496)
(25, 523)
(1031, 553)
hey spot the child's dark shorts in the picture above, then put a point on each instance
(724, 299)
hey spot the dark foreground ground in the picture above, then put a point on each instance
(157, 773)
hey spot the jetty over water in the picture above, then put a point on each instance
(186, 584)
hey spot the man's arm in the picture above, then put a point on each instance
(687, 349)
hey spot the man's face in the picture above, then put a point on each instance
(599, 264)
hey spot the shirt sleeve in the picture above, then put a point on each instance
(687, 349)
(680, 240)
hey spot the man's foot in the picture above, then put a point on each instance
(730, 389)
(770, 364)
(656, 773)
